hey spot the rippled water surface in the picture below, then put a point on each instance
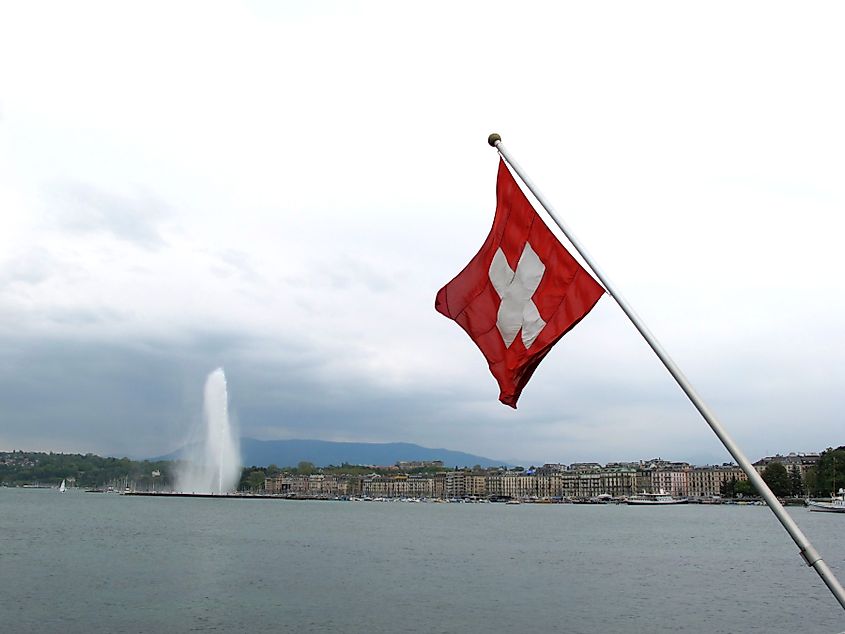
(78, 562)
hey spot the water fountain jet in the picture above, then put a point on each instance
(212, 465)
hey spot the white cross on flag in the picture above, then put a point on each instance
(520, 294)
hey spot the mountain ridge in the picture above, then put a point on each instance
(322, 453)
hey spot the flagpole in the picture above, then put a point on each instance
(808, 552)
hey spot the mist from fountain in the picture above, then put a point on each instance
(212, 463)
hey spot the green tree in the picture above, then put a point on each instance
(777, 477)
(830, 474)
(810, 480)
(744, 488)
(305, 468)
(796, 488)
(86, 470)
(728, 488)
(256, 480)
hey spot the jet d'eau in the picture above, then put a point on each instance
(212, 461)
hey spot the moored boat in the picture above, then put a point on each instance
(654, 499)
(836, 504)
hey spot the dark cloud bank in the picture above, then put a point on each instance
(141, 397)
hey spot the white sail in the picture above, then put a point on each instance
(62, 487)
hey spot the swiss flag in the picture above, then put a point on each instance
(520, 294)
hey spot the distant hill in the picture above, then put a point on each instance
(289, 453)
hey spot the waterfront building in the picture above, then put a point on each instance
(316, 485)
(674, 482)
(376, 485)
(589, 485)
(708, 481)
(671, 477)
(419, 486)
(564, 485)
(397, 486)
(440, 485)
(582, 480)
(512, 484)
(800, 462)
(476, 485)
(618, 481)
(526, 486)
(495, 486)
(379, 486)
(643, 481)
(545, 484)
(286, 484)
(455, 484)
(354, 485)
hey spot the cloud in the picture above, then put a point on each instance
(236, 262)
(83, 208)
(29, 267)
(142, 397)
(287, 206)
(120, 398)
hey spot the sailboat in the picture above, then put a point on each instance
(62, 487)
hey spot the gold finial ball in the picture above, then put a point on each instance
(493, 139)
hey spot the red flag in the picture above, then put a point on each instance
(520, 294)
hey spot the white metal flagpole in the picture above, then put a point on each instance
(808, 552)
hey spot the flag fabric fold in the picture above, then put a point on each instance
(521, 292)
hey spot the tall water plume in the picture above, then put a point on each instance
(212, 462)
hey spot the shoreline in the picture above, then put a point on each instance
(258, 496)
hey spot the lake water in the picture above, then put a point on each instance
(83, 562)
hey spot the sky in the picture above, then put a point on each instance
(280, 189)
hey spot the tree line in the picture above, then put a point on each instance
(826, 478)
(86, 470)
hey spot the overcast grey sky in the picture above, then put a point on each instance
(281, 189)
